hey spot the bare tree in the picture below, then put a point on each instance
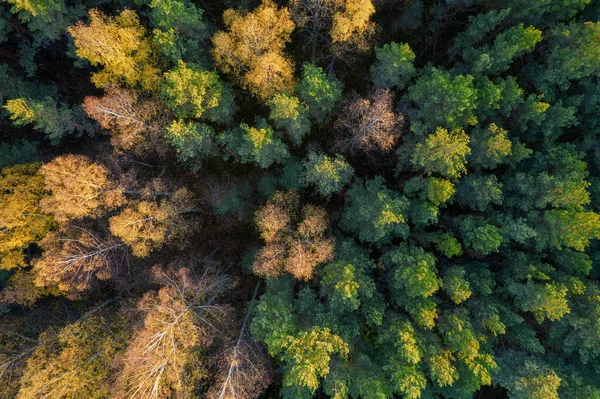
(369, 124)
(132, 122)
(180, 319)
(244, 371)
(76, 257)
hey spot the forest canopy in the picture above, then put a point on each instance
(346, 199)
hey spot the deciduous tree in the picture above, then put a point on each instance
(369, 124)
(252, 49)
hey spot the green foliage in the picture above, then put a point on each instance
(179, 31)
(443, 100)
(508, 45)
(490, 146)
(194, 93)
(479, 235)
(527, 377)
(456, 285)
(259, 144)
(54, 119)
(319, 91)
(22, 151)
(443, 153)
(329, 175)
(394, 66)
(289, 114)
(307, 357)
(479, 192)
(193, 141)
(413, 271)
(375, 213)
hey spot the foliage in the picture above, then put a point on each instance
(252, 49)
(329, 175)
(417, 220)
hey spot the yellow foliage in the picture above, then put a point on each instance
(252, 49)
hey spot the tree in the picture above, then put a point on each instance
(393, 68)
(571, 229)
(295, 241)
(193, 93)
(291, 115)
(319, 91)
(414, 272)
(574, 54)
(180, 32)
(76, 258)
(329, 175)
(244, 371)
(443, 153)
(375, 213)
(56, 120)
(508, 45)
(192, 141)
(444, 100)
(479, 192)
(133, 122)
(527, 377)
(78, 188)
(369, 124)
(490, 147)
(257, 143)
(22, 222)
(347, 22)
(20, 152)
(179, 322)
(479, 235)
(307, 357)
(147, 225)
(252, 49)
(119, 45)
(76, 361)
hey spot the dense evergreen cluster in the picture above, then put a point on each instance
(300, 198)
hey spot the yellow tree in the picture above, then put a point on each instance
(147, 224)
(78, 188)
(180, 320)
(75, 362)
(348, 23)
(252, 49)
(22, 222)
(119, 45)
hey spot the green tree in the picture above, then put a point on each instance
(479, 235)
(329, 175)
(56, 120)
(193, 93)
(192, 141)
(508, 45)
(394, 66)
(291, 115)
(319, 91)
(259, 143)
(442, 99)
(444, 153)
(179, 29)
(375, 213)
